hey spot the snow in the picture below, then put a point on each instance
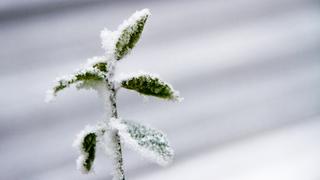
(109, 38)
(95, 60)
(133, 19)
(127, 76)
(70, 79)
(78, 145)
(150, 143)
(221, 44)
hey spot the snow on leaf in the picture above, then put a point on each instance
(88, 77)
(98, 62)
(150, 85)
(86, 143)
(131, 30)
(119, 43)
(149, 142)
(101, 66)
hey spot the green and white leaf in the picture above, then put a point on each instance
(84, 78)
(130, 32)
(119, 43)
(150, 85)
(86, 143)
(98, 62)
(149, 142)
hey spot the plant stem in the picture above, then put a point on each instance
(119, 174)
(118, 160)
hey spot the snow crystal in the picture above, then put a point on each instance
(109, 38)
(104, 138)
(67, 80)
(149, 142)
(103, 95)
(95, 60)
(91, 70)
(125, 77)
(78, 143)
(133, 19)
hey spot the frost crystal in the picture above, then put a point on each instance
(149, 142)
(119, 43)
(109, 40)
(151, 85)
(99, 62)
(84, 78)
(86, 143)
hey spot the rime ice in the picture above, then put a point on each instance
(119, 43)
(153, 86)
(149, 142)
(86, 150)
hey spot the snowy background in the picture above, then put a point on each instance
(249, 72)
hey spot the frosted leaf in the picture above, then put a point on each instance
(119, 43)
(95, 60)
(86, 143)
(98, 62)
(150, 85)
(149, 142)
(131, 30)
(84, 78)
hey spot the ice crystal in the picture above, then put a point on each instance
(88, 77)
(86, 143)
(149, 142)
(119, 43)
(150, 85)
(96, 60)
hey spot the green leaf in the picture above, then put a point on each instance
(151, 143)
(150, 86)
(101, 66)
(89, 147)
(85, 76)
(130, 33)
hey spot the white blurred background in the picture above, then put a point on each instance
(249, 72)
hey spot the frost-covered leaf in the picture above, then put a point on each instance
(150, 85)
(86, 143)
(131, 30)
(119, 43)
(98, 62)
(149, 142)
(101, 66)
(84, 78)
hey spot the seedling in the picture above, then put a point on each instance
(111, 133)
